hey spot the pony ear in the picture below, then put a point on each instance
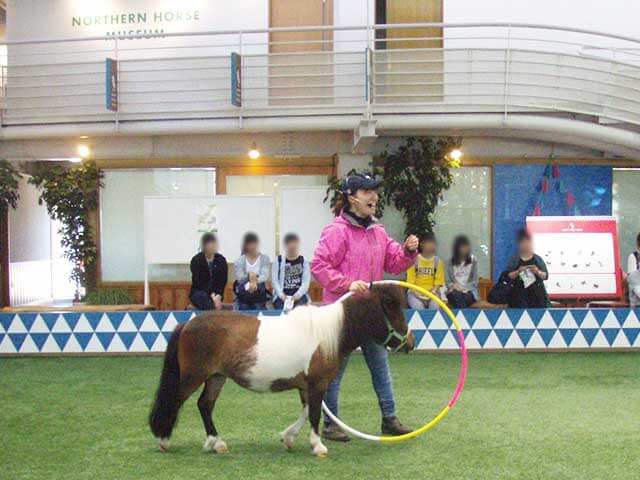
(392, 295)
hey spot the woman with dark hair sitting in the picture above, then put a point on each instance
(251, 272)
(462, 274)
(528, 273)
(208, 275)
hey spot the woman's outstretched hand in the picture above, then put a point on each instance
(411, 243)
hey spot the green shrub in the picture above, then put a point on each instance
(108, 296)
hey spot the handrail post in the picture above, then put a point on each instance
(4, 91)
(115, 55)
(368, 58)
(507, 68)
(242, 76)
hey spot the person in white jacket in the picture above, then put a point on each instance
(634, 289)
(633, 263)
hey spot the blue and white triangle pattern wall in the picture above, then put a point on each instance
(140, 332)
(96, 332)
(528, 329)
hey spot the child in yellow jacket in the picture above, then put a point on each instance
(427, 272)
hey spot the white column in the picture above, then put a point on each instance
(347, 161)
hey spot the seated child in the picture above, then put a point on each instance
(427, 272)
(290, 276)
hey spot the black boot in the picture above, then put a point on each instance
(392, 426)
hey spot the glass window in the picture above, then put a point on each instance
(122, 218)
(270, 185)
(465, 209)
(626, 209)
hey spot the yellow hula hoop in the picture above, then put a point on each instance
(461, 377)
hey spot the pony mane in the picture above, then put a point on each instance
(324, 324)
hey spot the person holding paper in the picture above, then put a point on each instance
(528, 272)
(633, 262)
(252, 273)
(634, 289)
(290, 276)
(208, 275)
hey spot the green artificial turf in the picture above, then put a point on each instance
(524, 416)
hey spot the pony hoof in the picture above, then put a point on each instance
(215, 445)
(163, 444)
(220, 447)
(287, 440)
(320, 451)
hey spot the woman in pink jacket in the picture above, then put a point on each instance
(353, 251)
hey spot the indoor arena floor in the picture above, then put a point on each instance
(524, 416)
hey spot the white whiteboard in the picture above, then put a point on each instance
(173, 225)
(302, 211)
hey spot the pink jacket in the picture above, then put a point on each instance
(348, 252)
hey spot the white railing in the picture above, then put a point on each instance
(29, 282)
(373, 70)
(39, 281)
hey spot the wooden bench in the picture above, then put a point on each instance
(78, 308)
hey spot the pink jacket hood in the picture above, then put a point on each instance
(348, 251)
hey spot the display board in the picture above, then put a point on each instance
(303, 211)
(581, 254)
(173, 225)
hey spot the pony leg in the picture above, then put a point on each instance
(206, 402)
(288, 436)
(316, 394)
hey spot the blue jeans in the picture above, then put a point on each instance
(250, 306)
(201, 300)
(377, 360)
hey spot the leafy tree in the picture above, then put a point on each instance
(9, 178)
(414, 178)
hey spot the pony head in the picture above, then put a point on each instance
(379, 315)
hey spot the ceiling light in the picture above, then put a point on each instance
(254, 153)
(84, 151)
(455, 154)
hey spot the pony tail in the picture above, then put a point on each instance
(164, 412)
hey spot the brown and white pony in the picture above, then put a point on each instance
(301, 350)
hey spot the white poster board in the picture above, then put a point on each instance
(173, 226)
(581, 254)
(302, 211)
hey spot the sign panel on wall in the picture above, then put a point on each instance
(236, 79)
(111, 68)
(581, 254)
